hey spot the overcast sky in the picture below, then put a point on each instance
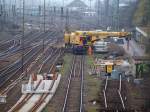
(52, 2)
(60, 2)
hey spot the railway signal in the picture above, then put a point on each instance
(109, 69)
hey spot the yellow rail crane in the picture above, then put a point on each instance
(80, 41)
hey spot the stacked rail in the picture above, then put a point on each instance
(42, 99)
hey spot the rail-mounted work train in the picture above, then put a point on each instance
(80, 41)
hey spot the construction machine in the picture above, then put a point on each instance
(81, 41)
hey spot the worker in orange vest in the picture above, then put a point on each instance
(90, 50)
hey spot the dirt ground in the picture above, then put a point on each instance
(140, 95)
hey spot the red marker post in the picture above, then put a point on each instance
(90, 50)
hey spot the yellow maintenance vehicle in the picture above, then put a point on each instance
(80, 41)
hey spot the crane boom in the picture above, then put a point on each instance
(88, 37)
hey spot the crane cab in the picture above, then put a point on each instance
(79, 49)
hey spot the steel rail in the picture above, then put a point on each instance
(9, 87)
(10, 68)
(106, 83)
(123, 105)
(53, 53)
(8, 75)
(81, 81)
(105, 99)
(25, 99)
(68, 86)
(44, 96)
(82, 84)
(10, 51)
(33, 37)
(41, 100)
(13, 64)
(118, 91)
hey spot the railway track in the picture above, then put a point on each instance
(7, 76)
(30, 69)
(34, 37)
(16, 64)
(15, 70)
(6, 45)
(114, 100)
(11, 45)
(73, 101)
(48, 37)
(44, 68)
(16, 76)
(18, 48)
(42, 97)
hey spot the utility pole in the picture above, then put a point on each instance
(40, 13)
(67, 20)
(112, 15)
(15, 8)
(98, 12)
(1, 14)
(90, 5)
(62, 15)
(4, 10)
(14, 11)
(39, 10)
(49, 11)
(20, 12)
(118, 16)
(63, 3)
(23, 28)
(61, 18)
(44, 16)
(32, 11)
(107, 13)
(44, 23)
(0, 7)
(10, 11)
